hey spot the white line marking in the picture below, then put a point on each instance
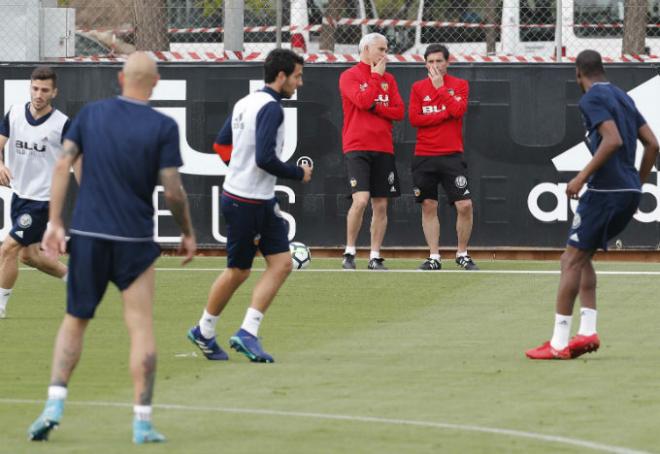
(366, 419)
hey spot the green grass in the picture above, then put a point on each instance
(434, 348)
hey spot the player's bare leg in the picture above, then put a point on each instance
(9, 252)
(572, 261)
(138, 316)
(223, 288)
(586, 340)
(278, 267)
(355, 216)
(378, 228)
(587, 290)
(463, 223)
(431, 225)
(34, 257)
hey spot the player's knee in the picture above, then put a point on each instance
(9, 249)
(464, 207)
(27, 258)
(360, 204)
(429, 207)
(238, 275)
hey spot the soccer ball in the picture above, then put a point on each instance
(300, 255)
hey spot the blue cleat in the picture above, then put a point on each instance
(209, 347)
(250, 346)
(144, 432)
(48, 420)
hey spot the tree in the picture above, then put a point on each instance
(634, 26)
(150, 18)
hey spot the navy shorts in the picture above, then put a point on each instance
(94, 262)
(251, 225)
(600, 216)
(29, 219)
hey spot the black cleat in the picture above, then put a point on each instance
(349, 262)
(430, 265)
(466, 263)
(377, 265)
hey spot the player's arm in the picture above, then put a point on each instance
(54, 241)
(177, 202)
(223, 143)
(77, 166)
(5, 174)
(349, 86)
(610, 144)
(650, 142)
(458, 103)
(417, 117)
(269, 119)
(395, 110)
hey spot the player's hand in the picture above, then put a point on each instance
(187, 248)
(5, 175)
(307, 172)
(53, 242)
(436, 77)
(379, 66)
(574, 187)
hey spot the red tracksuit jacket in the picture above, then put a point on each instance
(370, 103)
(437, 113)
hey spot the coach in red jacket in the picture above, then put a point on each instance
(437, 106)
(371, 102)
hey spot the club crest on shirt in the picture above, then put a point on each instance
(363, 86)
(460, 182)
(385, 86)
(450, 91)
(24, 221)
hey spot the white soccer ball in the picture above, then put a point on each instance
(300, 255)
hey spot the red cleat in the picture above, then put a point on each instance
(581, 344)
(546, 351)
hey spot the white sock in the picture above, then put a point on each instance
(562, 331)
(587, 321)
(207, 324)
(462, 254)
(65, 277)
(57, 392)
(142, 412)
(349, 250)
(374, 255)
(435, 257)
(5, 293)
(252, 321)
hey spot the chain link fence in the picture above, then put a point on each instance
(43, 30)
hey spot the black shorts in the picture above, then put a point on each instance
(373, 172)
(449, 170)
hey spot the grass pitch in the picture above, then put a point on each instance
(365, 363)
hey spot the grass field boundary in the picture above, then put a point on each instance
(364, 419)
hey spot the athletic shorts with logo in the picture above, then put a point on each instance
(600, 216)
(252, 224)
(373, 172)
(95, 262)
(29, 219)
(449, 170)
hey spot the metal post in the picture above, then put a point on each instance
(234, 20)
(278, 23)
(559, 25)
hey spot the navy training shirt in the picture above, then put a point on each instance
(124, 144)
(603, 102)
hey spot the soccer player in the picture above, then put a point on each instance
(34, 134)
(371, 102)
(251, 143)
(613, 192)
(127, 146)
(437, 106)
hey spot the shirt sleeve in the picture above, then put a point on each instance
(639, 119)
(594, 110)
(4, 126)
(74, 131)
(65, 128)
(170, 154)
(362, 97)
(269, 119)
(223, 142)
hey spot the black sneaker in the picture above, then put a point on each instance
(377, 264)
(430, 265)
(466, 263)
(349, 262)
